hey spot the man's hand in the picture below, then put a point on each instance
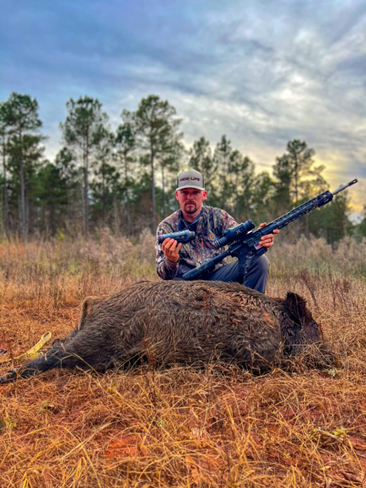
(171, 248)
(267, 241)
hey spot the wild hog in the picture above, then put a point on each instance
(173, 322)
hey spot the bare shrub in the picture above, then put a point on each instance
(349, 257)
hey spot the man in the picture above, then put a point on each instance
(173, 259)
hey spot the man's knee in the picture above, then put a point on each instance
(257, 274)
(263, 264)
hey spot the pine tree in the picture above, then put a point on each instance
(200, 159)
(5, 134)
(83, 131)
(24, 145)
(156, 129)
(126, 159)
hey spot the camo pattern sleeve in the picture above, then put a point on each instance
(210, 227)
(227, 221)
(165, 268)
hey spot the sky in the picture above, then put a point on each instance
(261, 72)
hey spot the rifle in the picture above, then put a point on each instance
(243, 241)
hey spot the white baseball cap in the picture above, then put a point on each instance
(190, 179)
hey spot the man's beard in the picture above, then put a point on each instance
(191, 210)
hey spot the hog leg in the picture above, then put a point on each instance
(54, 358)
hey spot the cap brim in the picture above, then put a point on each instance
(190, 186)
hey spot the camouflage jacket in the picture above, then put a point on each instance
(210, 226)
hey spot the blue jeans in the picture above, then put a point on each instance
(255, 277)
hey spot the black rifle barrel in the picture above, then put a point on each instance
(341, 188)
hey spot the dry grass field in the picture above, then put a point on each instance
(180, 427)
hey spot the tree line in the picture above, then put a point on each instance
(125, 178)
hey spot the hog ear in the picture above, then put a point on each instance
(296, 306)
(85, 309)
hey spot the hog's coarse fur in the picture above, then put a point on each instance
(182, 322)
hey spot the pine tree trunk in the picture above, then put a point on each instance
(22, 193)
(103, 198)
(297, 169)
(153, 225)
(85, 201)
(5, 197)
(85, 192)
(127, 202)
(236, 212)
(52, 220)
(117, 226)
(163, 191)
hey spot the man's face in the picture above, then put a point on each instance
(191, 200)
